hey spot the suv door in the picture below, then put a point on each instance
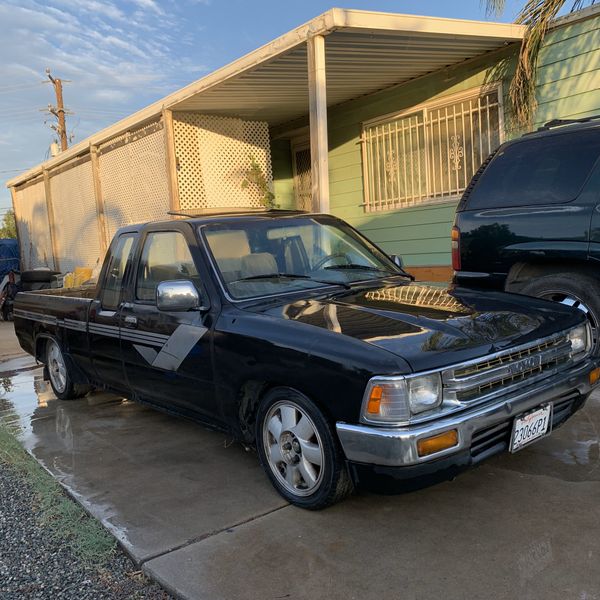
(167, 355)
(104, 314)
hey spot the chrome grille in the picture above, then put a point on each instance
(498, 374)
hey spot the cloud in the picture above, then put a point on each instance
(119, 55)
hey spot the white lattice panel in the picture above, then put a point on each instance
(133, 177)
(75, 217)
(33, 227)
(213, 156)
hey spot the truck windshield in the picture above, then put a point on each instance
(264, 256)
(544, 170)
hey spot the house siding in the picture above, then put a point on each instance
(568, 77)
(568, 86)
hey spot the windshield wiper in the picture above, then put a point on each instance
(357, 267)
(290, 276)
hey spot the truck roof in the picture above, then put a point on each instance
(204, 217)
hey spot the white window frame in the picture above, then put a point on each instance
(423, 108)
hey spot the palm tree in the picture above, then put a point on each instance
(536, 15)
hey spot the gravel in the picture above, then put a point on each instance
(35, 563)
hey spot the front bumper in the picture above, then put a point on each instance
(397, 447)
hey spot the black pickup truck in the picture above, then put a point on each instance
(296, 334)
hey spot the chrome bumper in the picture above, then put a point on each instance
(397, 447)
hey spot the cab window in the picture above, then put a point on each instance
(111, 290)
(165, 257)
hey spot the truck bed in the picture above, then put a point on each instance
(58, 312)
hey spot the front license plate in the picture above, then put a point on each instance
(531, 426)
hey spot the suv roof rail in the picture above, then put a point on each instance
(561, 122)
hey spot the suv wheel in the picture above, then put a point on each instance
(571, 289)
(299, 451)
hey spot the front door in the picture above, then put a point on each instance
(303, 177)
(104, 315)
(167, 355)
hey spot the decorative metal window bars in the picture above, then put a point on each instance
(429, 153)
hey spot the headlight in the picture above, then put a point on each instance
(581, 340)
(394, 400)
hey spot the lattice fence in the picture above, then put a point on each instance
(33, 227)
(213, 156)
(75, 217)
(133, 173)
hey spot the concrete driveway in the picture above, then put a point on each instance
(197, 513)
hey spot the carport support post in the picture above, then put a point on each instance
(13, 197)
(98, 198)
(319, 146)
(167, 119)
(51, 222)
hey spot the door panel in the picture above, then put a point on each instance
(167, 355)
(104, 316)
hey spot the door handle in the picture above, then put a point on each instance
(130, 321)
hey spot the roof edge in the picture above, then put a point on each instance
(578, 15)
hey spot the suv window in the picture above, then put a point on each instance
(166, 256)
(111, 290)
(545, 170)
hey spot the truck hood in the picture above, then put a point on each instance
(430, 327)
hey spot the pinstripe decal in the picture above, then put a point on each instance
(173, 349)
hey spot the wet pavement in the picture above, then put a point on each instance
(198, 514)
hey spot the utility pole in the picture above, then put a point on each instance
(58, 111)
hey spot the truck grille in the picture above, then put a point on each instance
(498, 374)
(495, 439)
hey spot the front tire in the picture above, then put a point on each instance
(58, 373)
(572, 289)
(299, 451)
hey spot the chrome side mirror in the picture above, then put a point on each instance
(177, 296)
(397, 260)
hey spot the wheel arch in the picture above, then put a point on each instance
(521, 273)
(253, 391)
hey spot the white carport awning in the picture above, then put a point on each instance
(364, 52)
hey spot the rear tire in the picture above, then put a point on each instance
(60, 379)
(299, 451)
(571, 289)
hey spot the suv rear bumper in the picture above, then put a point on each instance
(482, 431)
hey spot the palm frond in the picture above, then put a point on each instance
(494, 8)
(537, 16)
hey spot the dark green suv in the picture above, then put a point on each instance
(529, 222)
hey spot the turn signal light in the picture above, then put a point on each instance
(375, 400)
(437, 443)
(594, 376)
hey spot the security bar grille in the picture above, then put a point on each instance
(430, 153)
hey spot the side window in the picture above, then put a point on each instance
(166, 256)
(111, 290)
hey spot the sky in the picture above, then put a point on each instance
(120, 55)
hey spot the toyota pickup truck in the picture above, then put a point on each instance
(297, 335)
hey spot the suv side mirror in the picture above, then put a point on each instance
(177, 296)
(397, 260)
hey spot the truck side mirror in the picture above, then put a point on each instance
(397, 260)
(177, 296)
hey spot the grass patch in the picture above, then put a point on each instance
(63, 517)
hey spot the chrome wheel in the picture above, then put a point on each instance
(573, 301)
(293, 448)
(56, 367)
